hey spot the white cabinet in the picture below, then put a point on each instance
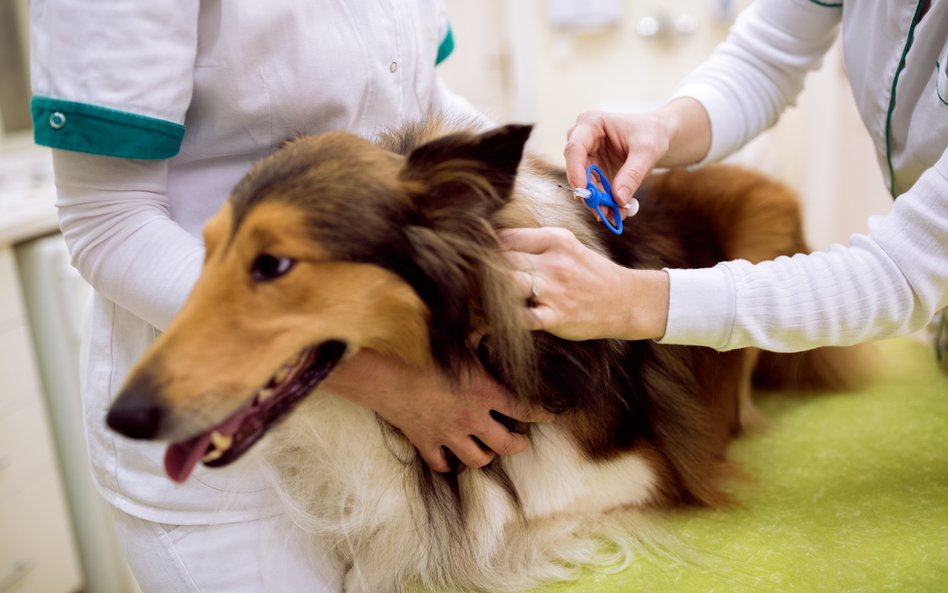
(37, 550)
(56, 300)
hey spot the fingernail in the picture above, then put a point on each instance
(624, 195)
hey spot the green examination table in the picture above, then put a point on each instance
(847, 493)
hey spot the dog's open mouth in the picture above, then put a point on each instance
(232, 438)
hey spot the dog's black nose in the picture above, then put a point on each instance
(135, 417)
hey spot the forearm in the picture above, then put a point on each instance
(884, 284)
(114, 216)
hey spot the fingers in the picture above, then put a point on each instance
(524, 240)
(525, 285)
(491, 396)
(435, 459)
(475, 436)
(535, 316)
(491, 440)
(503, 442)
(490, 437)
(531, 288)
(466, 450)
(471, 454)
(535, 241)
(523, 411)
(631, 175)
(539, 317)
(478, 451)
(577, 159)
(582, 140)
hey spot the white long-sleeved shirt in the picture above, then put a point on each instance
(155, 111)
(886, 283)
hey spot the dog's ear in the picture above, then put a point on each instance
(465, 173)
(447, 282)
(466, 291)
(456, 184)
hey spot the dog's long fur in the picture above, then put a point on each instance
(395, 248)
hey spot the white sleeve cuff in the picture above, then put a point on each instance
(701, 307)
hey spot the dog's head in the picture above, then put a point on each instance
(330, 245)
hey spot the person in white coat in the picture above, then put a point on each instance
(889, 282)
(154, 111)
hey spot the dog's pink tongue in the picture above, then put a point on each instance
(180, 458)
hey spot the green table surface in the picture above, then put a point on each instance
(848, 493)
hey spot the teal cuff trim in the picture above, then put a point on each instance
(93, 129)
(827, 4)
(937, 90)
(446, 47)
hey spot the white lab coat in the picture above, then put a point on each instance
(184, 97)
(887, 283)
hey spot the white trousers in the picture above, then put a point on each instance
(261, 556)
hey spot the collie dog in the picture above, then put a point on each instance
(335, 243)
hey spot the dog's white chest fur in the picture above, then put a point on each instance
(352, 482)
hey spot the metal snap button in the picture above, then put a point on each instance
(57, 120)
(393, 67)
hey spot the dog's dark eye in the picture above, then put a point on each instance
(268, 267)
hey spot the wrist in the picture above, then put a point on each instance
(647, 310)
(687, 129)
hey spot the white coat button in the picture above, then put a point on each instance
(57, 120)
(393, 67)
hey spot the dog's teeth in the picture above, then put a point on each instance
(295, 360)
(212, 455)
(221, 442)
(264, 394)
(280, 375)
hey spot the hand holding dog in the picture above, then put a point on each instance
(577, 294)
(431, 413)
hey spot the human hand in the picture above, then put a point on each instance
(578, 294)
(433, 414)
(628, 147)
